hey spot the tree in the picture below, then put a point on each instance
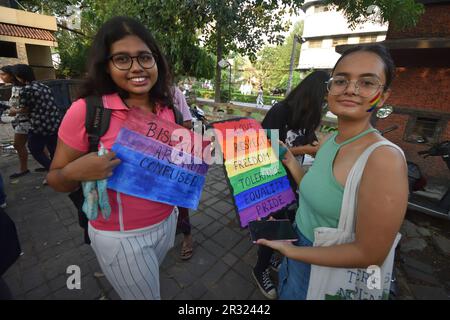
(401, 14)
(165, 19)
(172, 25)
(242, 26)
(239, 25)
(273, 62)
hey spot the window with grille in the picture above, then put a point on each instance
(423, 130)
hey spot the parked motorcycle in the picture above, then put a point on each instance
(431, 202)
(199, 121)
(434, 202)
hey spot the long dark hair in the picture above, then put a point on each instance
(10, 70)
(380, 51)
(99, 82)
(24, 72)
(305, 103)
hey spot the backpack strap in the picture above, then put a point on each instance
(178, 116)
(97, 121)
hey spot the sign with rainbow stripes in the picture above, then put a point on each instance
(257, 178)
(155, 163)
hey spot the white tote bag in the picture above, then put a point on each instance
(328, 283)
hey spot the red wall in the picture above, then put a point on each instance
(431, 166)
(422, 88)
(435, 22)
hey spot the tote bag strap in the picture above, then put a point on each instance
(349, 201)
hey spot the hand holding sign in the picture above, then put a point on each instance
(92, 167)
(160, 161)
(258, 181)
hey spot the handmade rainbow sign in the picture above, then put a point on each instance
(257, 178)
(153, 166)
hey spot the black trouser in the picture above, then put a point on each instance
(5, 293)
(183, 223)
(265, 253)
(37, 144)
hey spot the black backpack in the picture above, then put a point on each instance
(96, 124)
(9, 242)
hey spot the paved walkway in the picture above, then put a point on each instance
(223, 255)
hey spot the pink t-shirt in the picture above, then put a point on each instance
(127, 212)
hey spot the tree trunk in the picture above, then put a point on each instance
(218, 69)
(291, 65)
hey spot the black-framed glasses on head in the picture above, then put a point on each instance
(364, 86)
(124, 61)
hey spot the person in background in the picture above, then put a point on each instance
(2, 194)
(296, 118)
(37, 99)
(10, 249)
(3, 104)
(183, 223)
(21, 123)
(259, 98)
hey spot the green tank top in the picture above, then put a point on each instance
(321, 194)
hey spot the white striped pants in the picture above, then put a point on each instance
(130, 260)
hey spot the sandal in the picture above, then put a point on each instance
(186, 252)
(19, 174)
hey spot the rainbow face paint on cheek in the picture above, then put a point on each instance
(374, 102)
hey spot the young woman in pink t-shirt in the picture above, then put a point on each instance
(127, 69)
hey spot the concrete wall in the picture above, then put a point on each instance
(28, 19)
(21, 55)
(326, 56)
(328, 25)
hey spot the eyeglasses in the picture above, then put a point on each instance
(123, 61)
(365, 86)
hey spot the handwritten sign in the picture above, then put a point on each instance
(161, 161)
(257, 179)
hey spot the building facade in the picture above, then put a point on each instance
(421, 90)
(27, 38)
(324, 29)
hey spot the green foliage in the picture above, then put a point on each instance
(169, 21)
(224, 26)
(239, 25)
(72, 50)
(274, 62)
(401, 14)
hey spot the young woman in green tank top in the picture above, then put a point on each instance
(359, 86)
